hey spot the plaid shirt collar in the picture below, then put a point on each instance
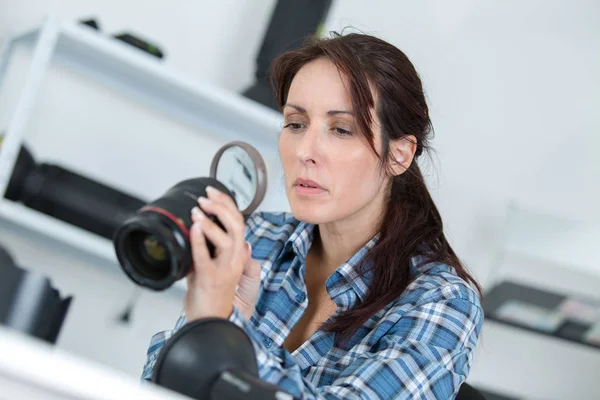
(348, 276)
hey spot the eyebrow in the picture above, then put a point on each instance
(298, 108)
(330, 112)
(335, 112)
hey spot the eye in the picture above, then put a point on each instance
(294, 126)
(342, 132)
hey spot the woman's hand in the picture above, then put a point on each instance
(212, 284)
(247, 290)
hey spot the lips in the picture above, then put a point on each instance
(308, 189)
(307, 183)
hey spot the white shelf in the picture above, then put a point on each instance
(554, 239)
(32, 369)
(212, 110)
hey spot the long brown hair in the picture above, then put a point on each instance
(413, 224)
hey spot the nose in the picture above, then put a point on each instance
(308, 147)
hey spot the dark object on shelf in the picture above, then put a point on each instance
(24, 166)
(92, 23)
(28, 302)
(262, 92)
(291, 23)
(232, 372)
(548, 313)
(70, 197)
(78, 200)
(141, 44)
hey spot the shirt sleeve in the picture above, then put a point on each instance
(156, 343)
(427, 353)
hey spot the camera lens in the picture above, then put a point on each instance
(153, 250)
(153, 245)
(149, 256)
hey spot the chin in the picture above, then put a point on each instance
(310, 212)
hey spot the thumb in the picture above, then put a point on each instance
(248, 256)
(252, 267)
(190, 278)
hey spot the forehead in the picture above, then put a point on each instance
(319, 84)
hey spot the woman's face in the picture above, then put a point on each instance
(331, 172)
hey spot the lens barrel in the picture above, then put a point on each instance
(153, 245)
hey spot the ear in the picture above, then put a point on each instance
(402, 152)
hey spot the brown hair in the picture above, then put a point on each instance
(413, 225)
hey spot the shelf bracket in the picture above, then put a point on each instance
(13, 138)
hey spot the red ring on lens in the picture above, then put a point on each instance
(171, 217)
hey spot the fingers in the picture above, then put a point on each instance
(222, 206)
(221, 240)
(221, 197)
(200, 252)
(227, 203)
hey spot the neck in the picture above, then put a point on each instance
(335, 242)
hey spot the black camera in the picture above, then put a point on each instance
(153, 245)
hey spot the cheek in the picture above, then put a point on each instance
(358, 177)
(285, 151)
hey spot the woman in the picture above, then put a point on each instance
(356, 293)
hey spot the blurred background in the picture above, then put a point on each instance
(514, 93)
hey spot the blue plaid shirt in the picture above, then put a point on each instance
(419, 346)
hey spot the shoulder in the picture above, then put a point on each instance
(434, 281)
(268, 231)
(438, 297)
(439, 316)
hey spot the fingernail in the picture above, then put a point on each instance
(196, 212)
(249, 247)
(203, 200)
(211, 190)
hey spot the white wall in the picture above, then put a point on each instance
(513, 88)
